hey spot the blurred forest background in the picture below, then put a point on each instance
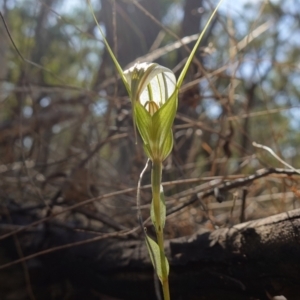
(67, 145)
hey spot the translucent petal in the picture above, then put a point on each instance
(159, 89)
(150, 82)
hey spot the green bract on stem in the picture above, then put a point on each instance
(153, 91)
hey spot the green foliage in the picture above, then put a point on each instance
(155, 255)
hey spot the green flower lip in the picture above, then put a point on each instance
(150, 84)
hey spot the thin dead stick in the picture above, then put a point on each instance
(109, 195)
(157, 53)
(66, 246)
(228, 185)
(249, 38)
(275, 155)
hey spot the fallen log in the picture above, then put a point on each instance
(253, 260)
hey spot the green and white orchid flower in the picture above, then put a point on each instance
(153, 93)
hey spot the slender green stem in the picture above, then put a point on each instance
(156, 182)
